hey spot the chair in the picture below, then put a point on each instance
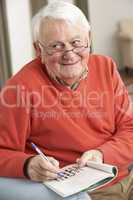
(125, 35)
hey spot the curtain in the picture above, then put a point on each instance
(5, 69)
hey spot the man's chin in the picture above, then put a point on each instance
(71, 73)
(70, 77)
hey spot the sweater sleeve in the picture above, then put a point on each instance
(14, 130)
(118, 149)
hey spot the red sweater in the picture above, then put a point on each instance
(65, 123)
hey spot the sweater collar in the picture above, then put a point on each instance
(74, 85)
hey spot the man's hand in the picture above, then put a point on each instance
(40, 170)
(91, 155)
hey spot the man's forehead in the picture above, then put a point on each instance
(58, 27)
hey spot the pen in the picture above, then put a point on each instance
(43, 156)
(39, 151)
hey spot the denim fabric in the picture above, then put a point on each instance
(21, 189)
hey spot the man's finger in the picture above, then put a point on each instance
(44, 174)
(47, 165)
(54, 162)
(84, 158)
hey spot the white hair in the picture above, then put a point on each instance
(57, 9)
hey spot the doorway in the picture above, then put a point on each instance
(5, 63)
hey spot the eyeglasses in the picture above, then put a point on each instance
(59, 47)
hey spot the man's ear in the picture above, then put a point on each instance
(90, 41)
(37, 49)
(90, 37)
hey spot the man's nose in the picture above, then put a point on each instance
(68, 52)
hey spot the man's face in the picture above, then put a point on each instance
(59, 55)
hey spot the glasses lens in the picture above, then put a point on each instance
(59, 48)
(80, 49)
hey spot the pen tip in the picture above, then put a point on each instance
(33, 145)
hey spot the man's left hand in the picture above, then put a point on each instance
(91, 155)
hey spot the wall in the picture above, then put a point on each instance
(104, 17)
(19, 26)
(70, 1)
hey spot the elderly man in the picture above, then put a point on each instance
(71, 103)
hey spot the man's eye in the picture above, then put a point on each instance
(77, 43)
(57, 46)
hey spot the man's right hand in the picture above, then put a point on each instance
(41, 170)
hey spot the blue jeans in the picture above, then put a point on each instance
(21, 189)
